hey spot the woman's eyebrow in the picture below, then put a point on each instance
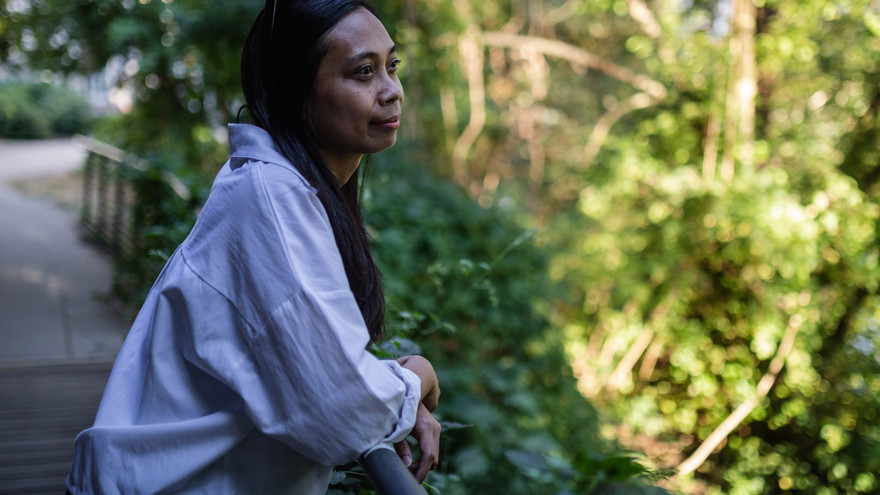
(370, 54)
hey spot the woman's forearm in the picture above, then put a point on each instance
(425, 371)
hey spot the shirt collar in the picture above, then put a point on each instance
(250, 141)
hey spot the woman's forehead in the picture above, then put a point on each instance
(358, 35)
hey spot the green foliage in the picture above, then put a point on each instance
(161, 220)
(19, 117)
(180, 61)
(687, 286)
(41, 110)
(469, 286)
(682, 286)
(727, 272)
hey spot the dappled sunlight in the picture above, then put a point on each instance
(51, 283)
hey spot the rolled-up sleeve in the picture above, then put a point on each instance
(316, 388)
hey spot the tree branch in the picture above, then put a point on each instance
(629, 360)
(643, 15)
(472, 57)
(577, 55)
(742, 86)
(710, 148)
(650, 360)
(603, 125)
(743, 410)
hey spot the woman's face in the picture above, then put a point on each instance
(355, 107)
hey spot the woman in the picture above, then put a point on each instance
(246, 369)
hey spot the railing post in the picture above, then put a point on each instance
(87, 211)
(119, 210)
(101, 220)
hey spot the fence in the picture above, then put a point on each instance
(109, 198)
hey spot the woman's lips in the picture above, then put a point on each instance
(390, 123)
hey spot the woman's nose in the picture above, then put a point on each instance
(392, 90)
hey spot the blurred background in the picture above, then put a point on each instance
(638, 238)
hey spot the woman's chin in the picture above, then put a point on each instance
(382, 144)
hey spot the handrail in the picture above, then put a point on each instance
(110, 195)
(115, 154)
(388, 475)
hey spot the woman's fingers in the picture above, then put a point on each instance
(427, 433)
(404, 452)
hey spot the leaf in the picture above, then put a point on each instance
(400, 346)
(337, 477)
(451, 425)
(529, 463)
(613, 467)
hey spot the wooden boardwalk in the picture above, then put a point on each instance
(42, 409)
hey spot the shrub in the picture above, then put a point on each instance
(41, 110)
(20, 118)
(469, 286)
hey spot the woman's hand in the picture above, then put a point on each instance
(430, 386)
(427, 433)
(426, 430)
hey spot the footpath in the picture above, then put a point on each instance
(58, 333)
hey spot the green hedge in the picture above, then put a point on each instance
(41, 110)
(469, 287)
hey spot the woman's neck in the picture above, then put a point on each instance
(342, 165)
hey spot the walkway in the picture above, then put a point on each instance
(58, 336)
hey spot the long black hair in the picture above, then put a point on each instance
(278, 67)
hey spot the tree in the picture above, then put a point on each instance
(708, 173)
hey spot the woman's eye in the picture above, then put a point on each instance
(365, 70)
(394, 65)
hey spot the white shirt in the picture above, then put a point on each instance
(245, 371)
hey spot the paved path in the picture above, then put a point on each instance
(51, 283)
(57, 336)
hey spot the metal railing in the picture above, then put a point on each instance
(109, 196)
(388, 475)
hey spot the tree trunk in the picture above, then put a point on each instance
(741, 90)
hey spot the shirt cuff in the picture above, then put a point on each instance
(410, 405)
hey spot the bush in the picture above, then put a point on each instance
(469, 286)
(20, 118)
(41, 110)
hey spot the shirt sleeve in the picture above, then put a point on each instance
(318, 390)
